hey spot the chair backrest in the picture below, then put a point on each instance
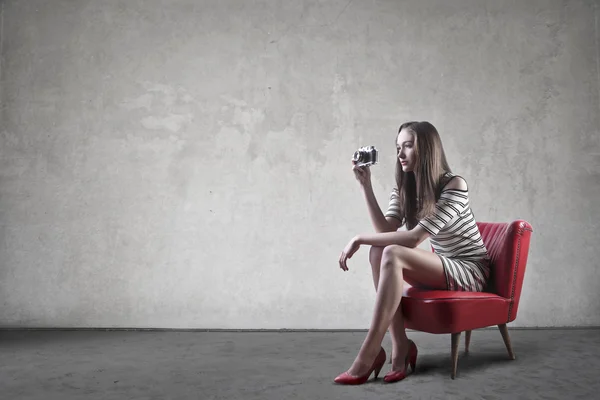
(508, 247)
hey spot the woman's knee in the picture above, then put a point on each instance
(392, 251)
(391, 256)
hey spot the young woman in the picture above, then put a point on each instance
(431, 202)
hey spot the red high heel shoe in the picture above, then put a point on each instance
(347, 379)
(411, 358)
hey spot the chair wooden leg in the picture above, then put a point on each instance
(467, 341)
(504, 331)
(455, 343)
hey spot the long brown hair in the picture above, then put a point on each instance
(420, 189)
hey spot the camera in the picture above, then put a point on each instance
(365, 156)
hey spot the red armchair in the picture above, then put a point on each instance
(439, 311)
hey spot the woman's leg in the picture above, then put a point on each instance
(396, 328)
(397, 263)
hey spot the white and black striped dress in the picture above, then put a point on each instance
(455, 238)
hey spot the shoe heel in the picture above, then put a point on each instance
(379, 363)
(413, 366)
(413, 359)
(378, 370)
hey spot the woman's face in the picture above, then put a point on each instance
(405, 145)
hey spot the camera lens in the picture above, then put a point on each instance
(357, 155)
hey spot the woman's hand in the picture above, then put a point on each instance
(348, 252)
(362, 174)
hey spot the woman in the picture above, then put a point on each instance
(431, 202)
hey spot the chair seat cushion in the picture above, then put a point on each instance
(444, 311)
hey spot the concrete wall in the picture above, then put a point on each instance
(185, 164)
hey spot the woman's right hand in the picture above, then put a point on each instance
(362, 174)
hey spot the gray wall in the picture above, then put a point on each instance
(185, 164)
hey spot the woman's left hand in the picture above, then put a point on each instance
(351, 248)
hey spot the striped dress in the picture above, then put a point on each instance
(455, 238)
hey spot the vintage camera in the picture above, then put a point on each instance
(365, 156)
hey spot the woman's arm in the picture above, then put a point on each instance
(380, 222)
(411, 238)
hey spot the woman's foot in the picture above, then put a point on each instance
(360, 372)
(359, 368)
(406, 357)
(399, 355)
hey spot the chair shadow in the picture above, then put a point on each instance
(441, 364)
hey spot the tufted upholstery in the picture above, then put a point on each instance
(442, 311)
(508, 247)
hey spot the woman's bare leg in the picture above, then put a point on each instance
(396, 328)
(396, 261)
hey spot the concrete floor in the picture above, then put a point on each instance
(550, 364)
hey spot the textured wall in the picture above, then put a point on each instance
(185, 164)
